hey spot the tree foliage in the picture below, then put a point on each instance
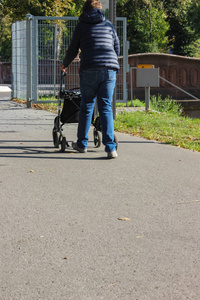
(158, 25)
(180, 34)
(146, 25)
(12, 11)
(152, 25)
(18, 9)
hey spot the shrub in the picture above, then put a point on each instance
(166, 105)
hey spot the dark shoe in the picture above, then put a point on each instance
(75, 147)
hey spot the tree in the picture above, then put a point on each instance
(152, 25)
(146, 25)
(12, 11)
(181, 35)
(159, 25)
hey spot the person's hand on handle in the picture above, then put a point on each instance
(63, 69)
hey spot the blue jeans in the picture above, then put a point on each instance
(97, 83)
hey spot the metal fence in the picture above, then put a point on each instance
(38, 49)
(19, 61)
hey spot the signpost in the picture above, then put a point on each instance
(112, 11)
(112, 18)
(105, 4)
(147, 77)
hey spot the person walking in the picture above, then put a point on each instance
(98, 42)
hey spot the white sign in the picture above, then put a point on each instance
(105, 4)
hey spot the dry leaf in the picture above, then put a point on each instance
(32, 171)
(124, 219)
(112, 284)
(65, 258)
(192, 201)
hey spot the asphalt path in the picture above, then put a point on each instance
(81, 227)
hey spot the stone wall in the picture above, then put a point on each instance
(181, 71)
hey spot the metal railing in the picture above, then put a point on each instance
(180, 89)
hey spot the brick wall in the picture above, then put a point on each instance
(181, 71)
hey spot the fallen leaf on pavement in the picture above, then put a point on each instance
(124, 219)
(192, 201)
(32, 171)
(112, 284)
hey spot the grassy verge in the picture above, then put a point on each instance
(52, 107)
(133, 103)
(164, 123)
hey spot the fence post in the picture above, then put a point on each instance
(112, 17)
(35, 59)
(29, 58)
(55, 57)
(125, 60)
(13, 60)
(18, 60)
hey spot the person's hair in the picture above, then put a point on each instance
(89, 4)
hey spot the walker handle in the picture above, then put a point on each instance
(63, 74)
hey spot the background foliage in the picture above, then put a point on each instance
(152, 25)
(12, 11)
(162, 25)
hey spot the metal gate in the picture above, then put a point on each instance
(38, 49)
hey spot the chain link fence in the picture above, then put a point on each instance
(38, 49)
(19, 60)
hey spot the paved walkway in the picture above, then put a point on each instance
(78, 226)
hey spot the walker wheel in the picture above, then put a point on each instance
(97, 138)
(63, 144)
(56, 123)
(55, 139)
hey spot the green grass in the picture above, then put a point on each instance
(163, 123)
(52, 107)
(133, 103)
